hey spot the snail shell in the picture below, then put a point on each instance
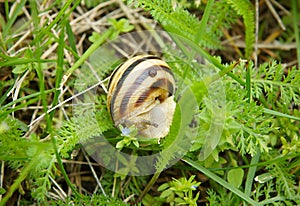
(141, 93)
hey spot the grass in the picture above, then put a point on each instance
(48, 49)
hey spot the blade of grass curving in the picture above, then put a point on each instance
(255, 159)
(61, 15)
(296, 28)
(205, 55)
(35, 19)
(220, 181)
(251, 174)
(204, 20)
(30, 96)
(273, 200)
(13, 61)
(6, 7)
(13, 17)
(5, 95)
(198, 37)
(260, 164)
(40, 75)
(88, 52)
(59, 68)
(21, 106)
(72, 40)
(279, 114)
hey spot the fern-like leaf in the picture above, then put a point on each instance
(284, 179)
(245, 8)
(178, 20)
(280, 89)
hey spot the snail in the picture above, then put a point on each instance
(141, 94)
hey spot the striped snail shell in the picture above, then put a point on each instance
(141, 93)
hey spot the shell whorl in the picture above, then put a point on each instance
(139, 87)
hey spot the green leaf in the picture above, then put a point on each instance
(235, 177)
(179, 200)
(163, 187)
(166, 193)
(136, 143)
(94, 37)
(120, 144)
(121, 25)
(2, 191)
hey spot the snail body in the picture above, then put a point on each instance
(141, 93)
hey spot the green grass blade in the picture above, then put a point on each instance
(279, 114)
(90, 50)
(205, 55)
(59, 16)
(18, 61)
(220, 181)
(13, 18)
(204, 20)
(296, 28)
(251, 174)
(59, 68)
(25, 98)
(72, 40)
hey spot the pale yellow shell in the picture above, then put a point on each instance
(141, 93)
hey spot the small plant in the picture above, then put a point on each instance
(129, 136)
(180, 191)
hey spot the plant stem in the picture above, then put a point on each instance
(248, 82)
(148, 186)
(23, 174)
(61, 166)
(88, 52)
(296, 29)
(251, 174)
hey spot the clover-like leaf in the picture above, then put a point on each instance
(235, 177)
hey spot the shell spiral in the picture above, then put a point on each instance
(141, 93)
